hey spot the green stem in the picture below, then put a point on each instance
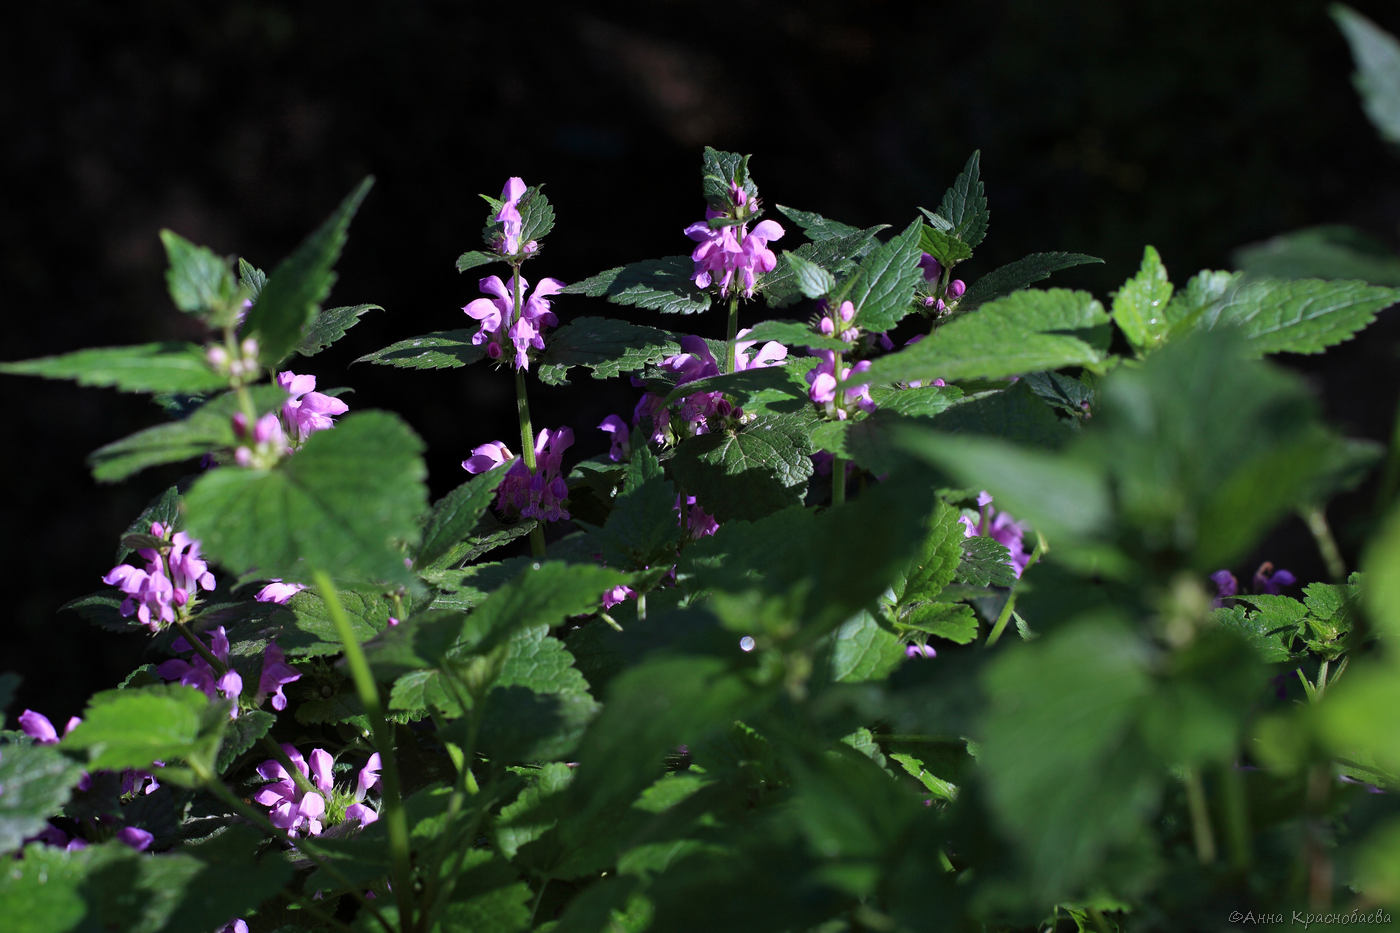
(731, 349)
(1390, 472)
(538, 897)
(214, 785)
(838, 480)
(1316, 521)
(1002, 618)
(1200, 817)
(527, 449)
(1236, 816)
(395, 821)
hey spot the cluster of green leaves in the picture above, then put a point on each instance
(747, 708)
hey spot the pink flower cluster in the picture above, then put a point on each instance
(696, 414)
(167, 585)
(542, 494)
(730, 249)
(933, 272)
(500, 324)
(197, 672)
(838, 403)
(278, 434)
(301, 812)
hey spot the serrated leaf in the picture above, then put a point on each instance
(1270, 641)
(863, 650)
(793, 334)
(937, 559)
(1298, 316)
(242, 734)
(341, 504)
(539, 704)
(544, 594)
(945, 247)
(536, 214)
(606, 346)
(985, 562)
(718, 170)
(915, 768)
(642, 527)
(919, 402)
(132, 728)
(209, 428)
(289, 301)
(444, 349)
(1139, 307)
(534, 812)
(251, 279)
(149, 367)
(965, 204)
(815, 226)
(1328, 252)
(838, 255)
(882, 287)
(954, 621)
(473, 258)
(42, 892)
(663, 285)
(199, 280)
(329, 326)
(1014, 276)
(766, 383)
(759, 470)
(1377, 75)
(1005, 338)
(314, 630)
(811, 279)
(456, 514)
(35, 781)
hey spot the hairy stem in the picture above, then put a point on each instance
(527, 445)
(838, 480)
(731, 349)
(1200, 817)
(395, 820)
(1316, 521)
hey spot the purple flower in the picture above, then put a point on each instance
(278, 592)
(932, 268)
(37, 727)
(169, 582)
(236, 925)
(771, 353)
(822, 379)
(276, 674)
(291, 809)
(1268, 580)
(617, 595)
(509, 217)
(539, 495)
(269, 441)
(620, 449)
(499, 322)
(1000, 527)
(730, 250)
(1225, 586)
(307, 411)
(832, 321)
(919, 651)
(699, 523)
(138, 839)
(199, 674)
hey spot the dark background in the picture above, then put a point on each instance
(1194, 126)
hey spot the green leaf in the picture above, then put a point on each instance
(132, 728)
(289, 301)
(663, 285)
(1377, 76)
(923, 401)
(815, 226)
(937, 559)
(444, 349)
(1331, 252)
(243, 733)
(539, 704)
(862, 650)
(837, 255)
(1066, 778)
(945, 247)
(473, 258)
(341, 504)
(606, 346)
(148, 367)
(205, 885)
(456, 514)
(251, 279)
(1299, 316)
(985, 562)
(759, 470)
(1015, 276)
(793, 334)
(533, 813)
(1268, 641)
(1005, 338)
(719, 169)
(200, 281)
(35, 781)
(1381, 564)
(954, 621)
(642, 528)
(764, 383)
(329, 326)
(43, 891)
(536, 215)
(208, 428)
(1139, 307)
(811, 279)
(965, 204)
(544, 594)
(882, 288)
